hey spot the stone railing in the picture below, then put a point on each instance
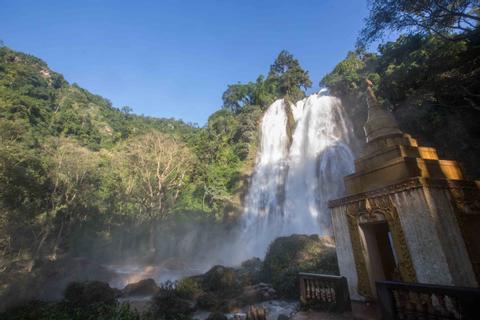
(400, 300)
(324, 292)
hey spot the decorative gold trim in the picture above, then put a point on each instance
(385, 206)
(374, 210)
(409, 184)
(363, 283)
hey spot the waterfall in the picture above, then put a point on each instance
(294, 178)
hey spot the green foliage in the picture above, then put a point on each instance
(239, 95)
(288, 77)
(39, 310)
(75, 171)
(168, 305)
(430, 83)
(441, 18)
(347, 75)
(89, 294)
(189, 288)
(448, 70)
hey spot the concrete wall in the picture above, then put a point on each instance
(419, 229)
(450, 235)
(344, 250)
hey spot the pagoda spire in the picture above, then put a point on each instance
(380, 123)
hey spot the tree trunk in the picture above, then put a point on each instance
(58, 239)
(153, 236)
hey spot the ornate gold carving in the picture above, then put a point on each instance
(364, 288)
(374, 210)
(384, 205)
(413, 183)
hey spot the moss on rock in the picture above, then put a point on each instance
(287, 256)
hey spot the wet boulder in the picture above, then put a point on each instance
(220, 279)
(287, 256)
(257, 293)
(249, 272)
(146, 287)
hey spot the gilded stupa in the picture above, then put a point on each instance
(407, 215)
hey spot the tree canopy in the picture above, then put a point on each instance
(439, 17)
(286, 79)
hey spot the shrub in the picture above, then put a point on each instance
(188, 288)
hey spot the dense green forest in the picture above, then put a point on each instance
(76, 171)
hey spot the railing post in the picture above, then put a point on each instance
(343, 295)
(303, 300)
(385, 299)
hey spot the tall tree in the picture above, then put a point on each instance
(238, 95)
(288, 77)
(154, 168)
(420, 16)
(73, 174)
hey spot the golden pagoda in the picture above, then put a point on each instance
(407, 215)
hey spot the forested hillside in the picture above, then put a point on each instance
(80, 176)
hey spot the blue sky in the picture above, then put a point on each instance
(171, 58)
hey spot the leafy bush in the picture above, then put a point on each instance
(84, 294)
(169, 305)
(39, 310)
(188, 288)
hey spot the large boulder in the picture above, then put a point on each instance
(220, 279)
(257, 293)
(146, 287)
(287, 256)
(249, 272)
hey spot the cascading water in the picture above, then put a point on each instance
(294, 178)
(263, 205)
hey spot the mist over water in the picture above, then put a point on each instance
(294, 178)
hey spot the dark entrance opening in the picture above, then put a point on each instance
(381, 255)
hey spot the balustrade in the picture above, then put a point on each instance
(324, 292)
(400, 300)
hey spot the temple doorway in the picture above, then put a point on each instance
(380, 255)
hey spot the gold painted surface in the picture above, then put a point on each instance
(380, 123)
(399, 169)
(384, 205)
(372, 210)
(363, 282)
